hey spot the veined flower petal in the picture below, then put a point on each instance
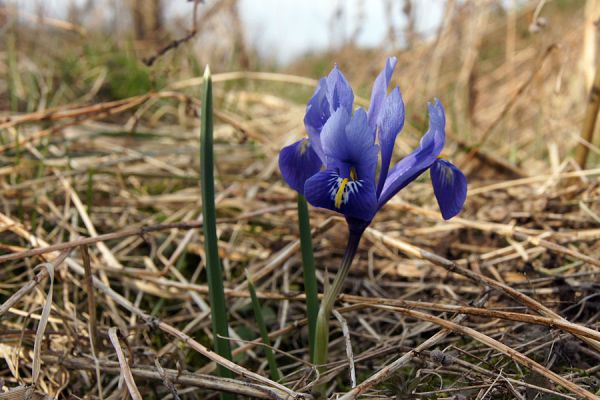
(297, 163)
(317, 113)
(332, 93)
(333, 135)
(348, 143)
(380, 90)
(389, 123)
(317, 108)
(339, 92)
(359, 136)
(435, 138)
(413, 165)
(449, 186)
(354, 199)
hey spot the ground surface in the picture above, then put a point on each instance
(95, 143)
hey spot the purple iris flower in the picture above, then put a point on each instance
(336, 166)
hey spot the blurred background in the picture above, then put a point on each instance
(274, 31)
(513, 73)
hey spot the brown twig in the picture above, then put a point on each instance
(390, 369)
(481, 279)
(91, 298)
(124, 365)
(504, 349)
(551, 322)
(186, 378)
(141, 231)
(175, 43)
(589, 123)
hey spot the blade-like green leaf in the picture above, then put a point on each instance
(213, 264)
(308, 268)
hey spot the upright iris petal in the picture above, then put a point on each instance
(331, 93)
(389, 123)
(317, 109)
(339, 92)
(317, 113)
(348, 143)
(336, 167)
(379, 90)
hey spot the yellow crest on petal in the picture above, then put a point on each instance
(339, 195)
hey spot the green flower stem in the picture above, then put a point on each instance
(320, 354)
(308, 268)
(216, 292)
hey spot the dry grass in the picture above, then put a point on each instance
(103, 192)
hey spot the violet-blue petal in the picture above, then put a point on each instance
(380, 90)
(449, 186)
(356, 200)
(348, 143)
(297, 163)
(436, 134)
(333, 135)
(317, 113)
(359, 136)
(413, 165)
(317, 108)
(390, 123)
(339, 93)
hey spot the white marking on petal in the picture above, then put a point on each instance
(351, 188)
(447, 176)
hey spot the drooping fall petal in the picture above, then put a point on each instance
(413, 165)
(355, 199)
(297, 163)
(449, 187)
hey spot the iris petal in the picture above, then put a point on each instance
(339, 93)
(449, 186)
(317, 113)
(297, 163)
(333, 135)
(413, 165)
(436, 135)
(348, 143)
(354, 199)
(380, 90)
(317, 109)
(390, 123)
(359, 136)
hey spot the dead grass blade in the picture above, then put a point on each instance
(414, 251)
(124, 365)
(488, 341)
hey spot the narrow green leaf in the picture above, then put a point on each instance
(308, 268)
(264, 334)
(216, 292)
